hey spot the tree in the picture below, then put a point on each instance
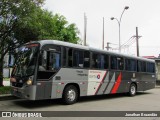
(25, 20)
(11, 13)
(49, 26)
(42, 24)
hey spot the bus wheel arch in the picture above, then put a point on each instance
(71, 93)
(132, 89)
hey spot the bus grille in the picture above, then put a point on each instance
(15, 84)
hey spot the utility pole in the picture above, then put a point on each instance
(108, 46)
(103, 36)
(85, 28)
(137, 42)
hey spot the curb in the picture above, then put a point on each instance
(7, 97)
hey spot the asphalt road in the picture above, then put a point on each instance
(143, 101)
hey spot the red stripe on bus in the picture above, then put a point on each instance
(116, 85)
(101, 83)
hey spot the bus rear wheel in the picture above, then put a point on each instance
(70, 95)
(132, 90)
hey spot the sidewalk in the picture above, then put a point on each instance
(157, 86)
(6, 96)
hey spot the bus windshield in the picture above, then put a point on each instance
(25, 61)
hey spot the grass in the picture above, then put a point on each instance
(5, 90)
(6, 79)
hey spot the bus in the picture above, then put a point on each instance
(51, 69)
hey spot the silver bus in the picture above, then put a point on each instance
(50, 69)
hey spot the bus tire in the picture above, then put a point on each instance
(70, 95)
(132, 90)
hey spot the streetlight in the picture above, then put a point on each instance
(119, 24)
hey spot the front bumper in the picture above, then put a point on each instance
(26, 92)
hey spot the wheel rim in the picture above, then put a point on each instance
(71, 95)
(133, 90)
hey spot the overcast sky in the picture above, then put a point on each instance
(144, 14)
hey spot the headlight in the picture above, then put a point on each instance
(29, 82)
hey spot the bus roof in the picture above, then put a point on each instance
(67, 44)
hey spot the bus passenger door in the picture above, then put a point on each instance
(49, 64)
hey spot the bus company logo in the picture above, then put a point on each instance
(98, 76)
(95, 76)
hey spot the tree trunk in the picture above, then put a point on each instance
(1, 72)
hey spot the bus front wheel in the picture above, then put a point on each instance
(132, 90)
(70, 95)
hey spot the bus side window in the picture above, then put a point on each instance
(70, 57)
(43, 61)
(102, 62)
(99, 61)
(141, 66)
(53, 61)
(144, 66)
(117, 63)
(64, 57)
(120, 63)
(86, 59)
(150, 67)
(106, 61)
(130, 65)
(113, 62)
(94, 60)
(78, 58)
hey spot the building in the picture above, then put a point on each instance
(8, 63)
(157, 60)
